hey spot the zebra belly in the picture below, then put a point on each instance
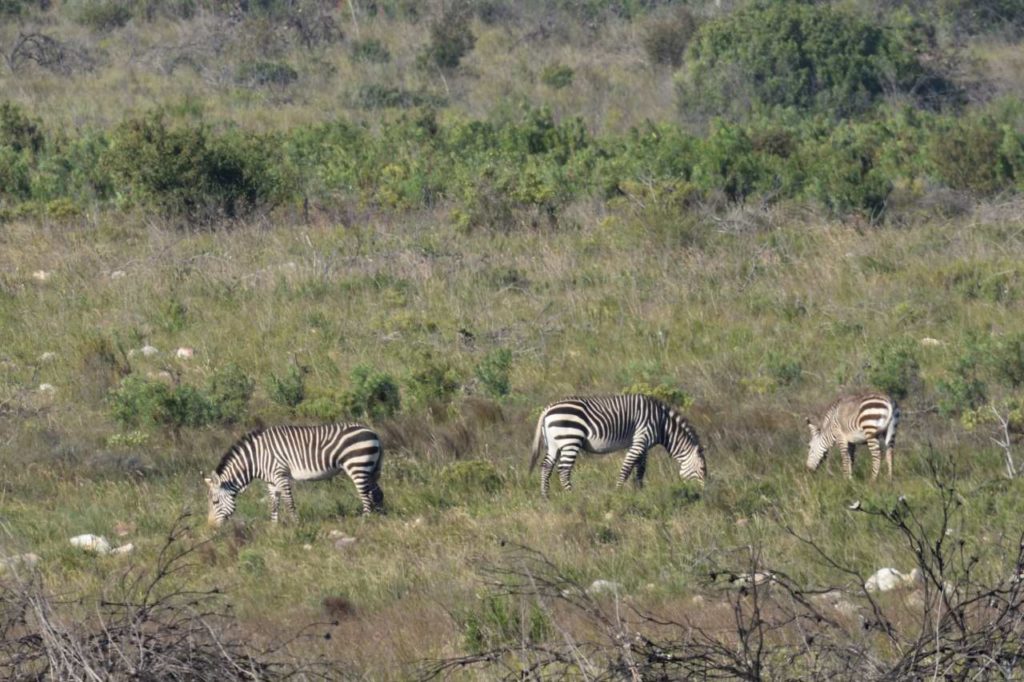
(310, 475)
(601, 446)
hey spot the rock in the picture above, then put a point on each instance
(757, 578)
(604, 587)
(887, 579)
(41, 275)
(122, 529)
(697, 600)
(929, 341)
(344, 543)
(48, 356)
(46, 388)
(184, 353)
(308, 547)
(123, 549)
(148, 351)
(18, 561)
(117, 274)
(91, 543)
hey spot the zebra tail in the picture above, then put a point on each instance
(538, 437)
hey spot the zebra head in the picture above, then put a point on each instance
(817, 448)
(221, 498)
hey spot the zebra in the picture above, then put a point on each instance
(282, 454)
(861, 417)
(602, 424)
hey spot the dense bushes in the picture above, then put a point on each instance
(803, 56)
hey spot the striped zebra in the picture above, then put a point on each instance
(282, 454)
(602, 424)
(853, 419)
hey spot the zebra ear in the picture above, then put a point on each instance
(812, 427)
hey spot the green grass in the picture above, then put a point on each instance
(599, 308)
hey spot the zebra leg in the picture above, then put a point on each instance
(546, 467)
(275, 500)
(289, 499)
(567, 457)
(888, 460)
(637, 452)
(846, 450)
(876, 457)
(641, 470)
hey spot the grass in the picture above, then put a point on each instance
(596, 308)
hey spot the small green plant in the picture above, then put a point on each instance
(262, 73)
(783, 368)
(451, 37)
(372, 394)
(289, 390)
(1007, 360)
(493, 372)
(501, 620)
(250, 561)
(667, 393)
(433, 382)
(666, 37)
(104, 15)
(895, 369)
(229, 389)
(470, 477)
(557, 76)
(370, 50)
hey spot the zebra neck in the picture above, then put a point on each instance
(238, 472)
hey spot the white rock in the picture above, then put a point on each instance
(604, 586)
(41, 275)
(117, 274)
(344, 543)
(929, 341)
(844, 607)
(48, 356)
(46, 388)
(307, 547)
(757, 578)
(886, 579)
(91, 543)
(184, 353)
(123, 549)
(13, 563)
(149, 351)
(697, 600)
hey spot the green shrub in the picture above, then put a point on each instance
(230, 389)
(18, 131)
(979, 154)
(474, 476)
(493, 372)
(372, 394)
(262, 73)
(500, 621)
(784, 369)
(1007, 360)
(894, 369)
(370, 50)
(666, 393)
(845, 174)
(800, 55)
(556, 76)
(433, 381)
(376, 96)
(666, 37)
(450, 37)
(289, 390)
(104, 15)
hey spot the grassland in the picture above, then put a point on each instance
(754, 315)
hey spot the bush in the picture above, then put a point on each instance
(1007, 360)
(450, 37)
(845, 174)
(375, 96)
(809, 57)
(668, 394)
(372, 394)
(229, 389)
(895, 369)
(104, 15)
(493, 372)
(139, 402)
(262, 73)
(370, 50)
(18, 131)
(469, 477)
(290, 390)
(666, 38)
(978, 154)
(434, 382)
(556, 76)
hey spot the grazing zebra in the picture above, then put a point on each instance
(602, 424)
(282, 454)
(853, 419)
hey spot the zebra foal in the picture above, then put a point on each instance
(859, 418)
(602, 424)
(281, 454)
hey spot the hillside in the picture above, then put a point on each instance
(437, 218)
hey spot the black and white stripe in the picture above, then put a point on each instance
(602, 424)
(859, 418)
(282, 454)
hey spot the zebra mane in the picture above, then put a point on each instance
(680, 423)
(233, 450)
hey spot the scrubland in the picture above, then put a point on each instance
(440, 249)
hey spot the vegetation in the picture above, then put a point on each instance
(438, 219)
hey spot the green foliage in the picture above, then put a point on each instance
(229, 389)
(811, 57)
(1007, 360)
(783, 368)
(493, 372)
(251, 562)
(370, 50)
(460, 479)
(978, 153)
(376, 96)
(669, 394)
(289, 390)
(372, 394)
(172, 316)
(433, 381)
(103, 15)
(18, 131)
(666, 37)
(140, 402)
(845, 173)
(557, 76)
(501, 620)
(451, 37)
(894, 368)
(264, 73)
(189, 171)
(963, 389)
